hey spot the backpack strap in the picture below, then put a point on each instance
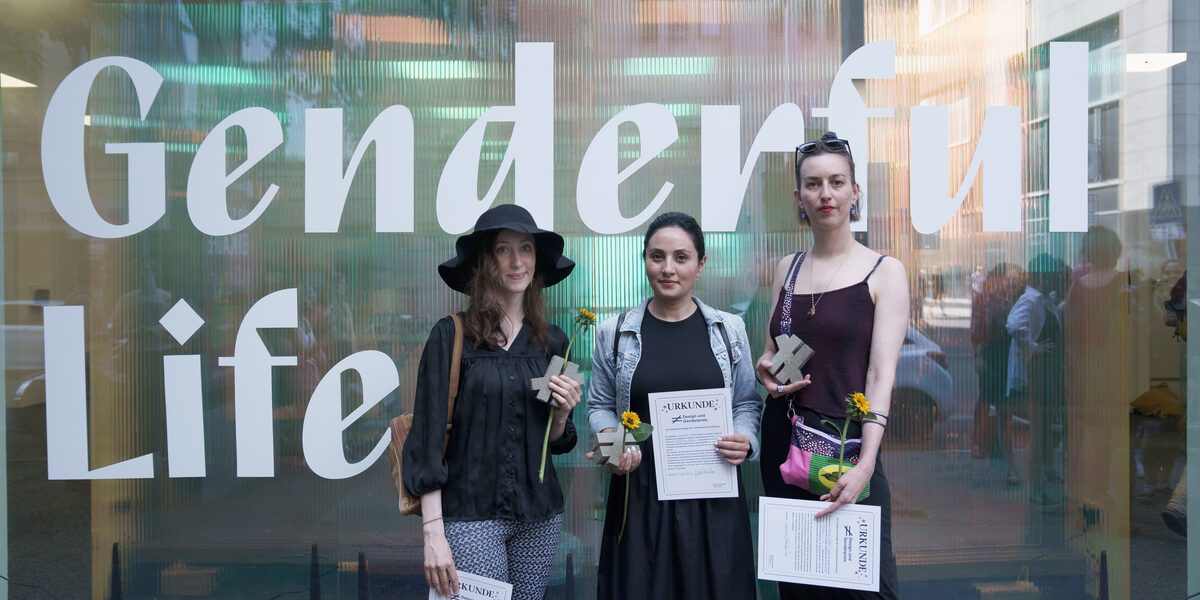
(617, 336)
(455, 364)
(728, 346)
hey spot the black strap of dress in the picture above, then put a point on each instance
(785, 319)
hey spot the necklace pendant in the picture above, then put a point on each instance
(811, 312)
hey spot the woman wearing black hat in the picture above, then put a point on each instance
(484, 510)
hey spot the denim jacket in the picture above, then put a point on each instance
(608, 394)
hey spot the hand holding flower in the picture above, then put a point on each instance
(566, 393)
(853, 480)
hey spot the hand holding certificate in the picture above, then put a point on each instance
(840, 550)
(477, 587)
(687, 425)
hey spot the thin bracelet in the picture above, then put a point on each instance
(424, 523)
(882, 425)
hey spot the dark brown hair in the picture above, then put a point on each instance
(821, 148)
(484, 315)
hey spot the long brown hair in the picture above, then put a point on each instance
(482, 319)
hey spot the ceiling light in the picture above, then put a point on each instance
(1153, 62)
(9, 81)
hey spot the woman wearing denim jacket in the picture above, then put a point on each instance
(692, 549)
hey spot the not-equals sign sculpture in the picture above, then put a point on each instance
(610, 445)
(542, 384)
(792, 355)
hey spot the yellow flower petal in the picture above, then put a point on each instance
(630, 419)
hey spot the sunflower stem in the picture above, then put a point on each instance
(625, 511)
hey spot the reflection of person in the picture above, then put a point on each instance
(1096, 339)
(137, 313)
(672, 342)
(1035, 380)
(851, 306)
(989, 313)
(483, 509)
(1175, 315)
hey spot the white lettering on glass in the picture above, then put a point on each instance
(252, 363)
(723, 177)
(530, 149)
(596, 194)
(323, 421)
(999, 148)
(1068, 136)
(63, 166)
(326, 185)
(208, 181)
(847, 114)
(66, 404)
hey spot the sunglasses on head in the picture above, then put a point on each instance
(831, 144)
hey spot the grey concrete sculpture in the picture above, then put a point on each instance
(792, 355)
(542, 384)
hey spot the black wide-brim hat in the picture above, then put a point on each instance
(551, 264)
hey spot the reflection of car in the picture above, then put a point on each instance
(24, 353)
(923, 389)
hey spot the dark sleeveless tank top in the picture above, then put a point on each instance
(839, 333)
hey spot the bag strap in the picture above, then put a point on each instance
(455, 364)
(617, 336)
(785, 317)
(728, 346)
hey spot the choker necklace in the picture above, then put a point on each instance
(814, 301)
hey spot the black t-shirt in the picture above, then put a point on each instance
(490, 470)
(676, 356)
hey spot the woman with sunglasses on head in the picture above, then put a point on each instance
(850, 305)
(483, 508)
(680, 549)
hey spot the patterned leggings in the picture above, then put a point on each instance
(512, 551)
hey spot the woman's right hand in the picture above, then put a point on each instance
(630, 460)
(439, 561)
(775, 387)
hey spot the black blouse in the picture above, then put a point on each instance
(490, 470)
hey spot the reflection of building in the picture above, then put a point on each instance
(1138, 138)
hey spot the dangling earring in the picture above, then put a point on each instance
(803, 215)
(853, 209)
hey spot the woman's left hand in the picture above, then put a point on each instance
(734, 448)
(847, 489)
(566, 393)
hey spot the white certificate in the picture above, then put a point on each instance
(686, 428)
(838, 550)
(477, 587)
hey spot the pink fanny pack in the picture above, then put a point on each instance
(812, 460)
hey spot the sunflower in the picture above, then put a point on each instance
(860, 402)
(585, 317)
(630, 419)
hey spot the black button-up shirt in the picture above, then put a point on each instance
(490, 470)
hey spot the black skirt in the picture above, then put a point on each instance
(693, 549)
(681, 549)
